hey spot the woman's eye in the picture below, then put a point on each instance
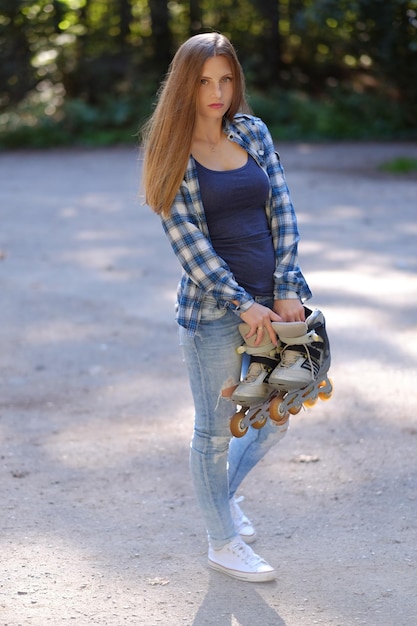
(204, 81)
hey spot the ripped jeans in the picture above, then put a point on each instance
(218, 461)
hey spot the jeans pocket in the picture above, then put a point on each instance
(210, 309)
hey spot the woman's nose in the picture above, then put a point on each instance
(217, 90)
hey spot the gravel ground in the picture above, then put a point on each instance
(98, 519)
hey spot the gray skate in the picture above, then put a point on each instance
(282, 380)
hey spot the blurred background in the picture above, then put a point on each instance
(86, 71)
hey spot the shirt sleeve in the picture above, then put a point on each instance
(289, 281)
(197, 256)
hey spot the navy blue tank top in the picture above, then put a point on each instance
(234, 205)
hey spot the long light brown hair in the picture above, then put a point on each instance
(167, 136)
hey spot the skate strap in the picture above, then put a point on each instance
(270, 363)
(305, 350)
(290, 329)
(308, 338)
(269, 350)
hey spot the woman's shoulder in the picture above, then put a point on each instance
(251, 123)
(253, 131)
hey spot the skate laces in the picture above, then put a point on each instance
(254, 371)
(290, 356)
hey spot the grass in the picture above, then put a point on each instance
(400, 165)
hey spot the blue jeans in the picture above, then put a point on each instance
(218, 461)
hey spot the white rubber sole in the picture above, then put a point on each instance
(251, 577)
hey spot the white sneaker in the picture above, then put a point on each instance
(242, 523)
(254, 388)
(238, 560)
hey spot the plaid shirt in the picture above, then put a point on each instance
(186, 228)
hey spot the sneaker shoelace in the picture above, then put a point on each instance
(238, 515)
(290, 356)
(246, 554)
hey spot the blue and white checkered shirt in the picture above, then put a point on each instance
(186, 228)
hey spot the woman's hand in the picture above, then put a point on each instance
(290, 310)
(259, 318)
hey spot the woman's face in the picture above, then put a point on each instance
(216, 88)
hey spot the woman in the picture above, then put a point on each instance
(211, 173)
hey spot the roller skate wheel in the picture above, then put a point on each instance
(294, 407)
(275, 412)
(310, 402)
(325, 395)
(236, 424)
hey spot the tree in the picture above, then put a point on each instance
(161, 37)
(110, 55)
(16, 73)
(196, 17)
(270, 42)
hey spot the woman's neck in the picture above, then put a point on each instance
(209, 134)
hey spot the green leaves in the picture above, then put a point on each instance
(341, 69)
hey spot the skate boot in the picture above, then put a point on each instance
(304, 357)
(254, 388)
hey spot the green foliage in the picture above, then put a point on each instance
(85, 70)
(290, 116)
(400, 165)
(109, 122)
(345, 115)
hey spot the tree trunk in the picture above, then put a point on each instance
(196, 17)
(271, 39)
(161, 35)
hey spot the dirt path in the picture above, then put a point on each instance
(98, 519)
